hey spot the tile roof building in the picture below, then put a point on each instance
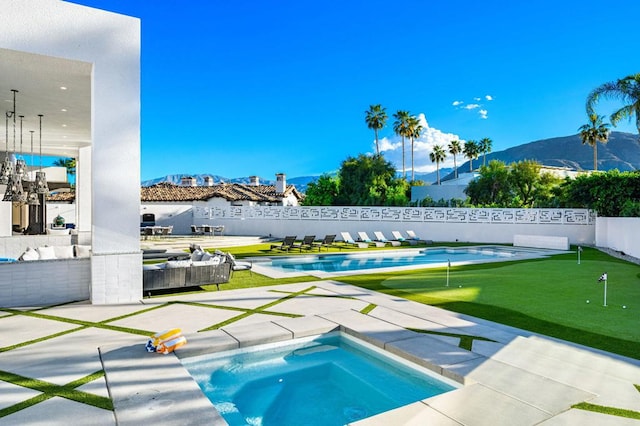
(235, 193)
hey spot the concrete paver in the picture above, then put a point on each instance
(12, 394)
(369, 329)
(94, 313)
(310, 305)
(60, 411)
(189, 318)
(151, 388)
(306, 326)
(65, 358)
(430, 353)
(480, 406)
(416, 414)
(18, 329)
(257, 334)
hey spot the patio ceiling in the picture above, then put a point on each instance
(60, 89)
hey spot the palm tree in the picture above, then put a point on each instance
(376, 118)
(454, 149)
(68, 163)
(401, 128)
(627, 90)
(415, 129)
(437, 156)
(471, 151)
(594, 132)
(484, 147)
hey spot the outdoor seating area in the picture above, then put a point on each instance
(207, 230)
(155, 231)
(198, 268)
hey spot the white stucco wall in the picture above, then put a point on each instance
(111, 43)
(620, 234)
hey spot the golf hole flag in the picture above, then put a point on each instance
(603, 277)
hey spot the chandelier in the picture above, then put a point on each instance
(14, 173)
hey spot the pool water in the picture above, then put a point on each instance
(380, 259)
(329, 380)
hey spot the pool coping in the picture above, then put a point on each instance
(526, 254)
(157, 388)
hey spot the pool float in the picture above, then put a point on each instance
(166, 341)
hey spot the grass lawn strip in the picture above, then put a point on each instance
(370, 307)
(612, 411)
(50, 390)
(466, 340)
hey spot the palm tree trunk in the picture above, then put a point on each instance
(470, 165)
(404, 172)
(377, 146)
(455, 166)
(595, 156)
(411, 159)
(438, 171)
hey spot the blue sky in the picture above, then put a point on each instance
(239, 88)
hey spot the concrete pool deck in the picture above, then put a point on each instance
(510, 376)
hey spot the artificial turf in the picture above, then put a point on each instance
(547, 296)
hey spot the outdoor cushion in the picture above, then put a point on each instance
(30, 254)
(82, 251)
(153, 267)
(63, 252)
(197, 255)
(46, 253)
(178, 263)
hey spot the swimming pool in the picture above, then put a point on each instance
(332, 379)
(333, 264)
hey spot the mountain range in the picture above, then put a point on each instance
(622, 152)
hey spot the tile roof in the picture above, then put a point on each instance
(229, 191)
(61, 197)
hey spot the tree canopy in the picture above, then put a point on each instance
(364, 180)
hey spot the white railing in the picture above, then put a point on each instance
(401, 214)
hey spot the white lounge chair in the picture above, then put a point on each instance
(380, 237)
(398, 236)
(365, 238)
(413, 237)
(347, 239)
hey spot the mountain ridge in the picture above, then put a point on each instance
(622, 152)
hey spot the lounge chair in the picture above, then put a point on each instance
(398, 237)
(239, 265)
(327, 242)
(285, 245)
(347, 240)
(413, 237)
(307, 243)
(365, 238)
(380, 237)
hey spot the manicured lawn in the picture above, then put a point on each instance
(548, 296)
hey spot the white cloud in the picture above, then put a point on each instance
(482, 112)
(391, 148)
